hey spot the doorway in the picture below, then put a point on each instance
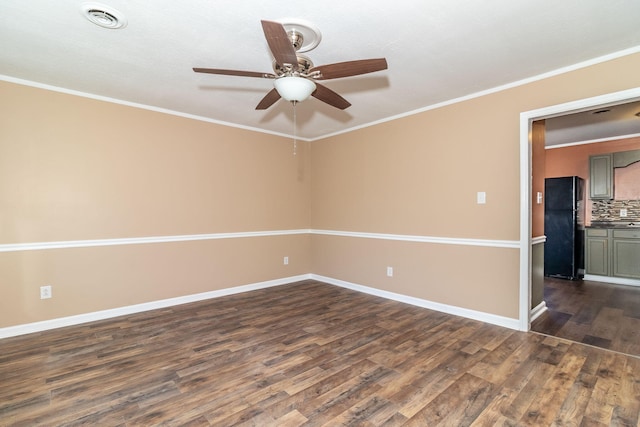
(526, 168)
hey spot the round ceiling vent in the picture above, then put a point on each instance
(103, 16)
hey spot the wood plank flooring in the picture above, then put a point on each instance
(594, 313)
(309, 354)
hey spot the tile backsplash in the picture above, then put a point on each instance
(609, 210)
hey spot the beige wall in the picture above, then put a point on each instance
(91, 279)
(419, 175)
(77, 168)
(442, 273)
(74, 168)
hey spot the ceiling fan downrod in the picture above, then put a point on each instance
(295, 129)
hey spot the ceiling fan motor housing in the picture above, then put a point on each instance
(304, 65)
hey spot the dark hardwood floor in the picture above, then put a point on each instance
(594, 313)
(309, 354)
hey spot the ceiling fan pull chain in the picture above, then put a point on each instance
(295, 130)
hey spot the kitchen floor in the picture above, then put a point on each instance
(600, 314)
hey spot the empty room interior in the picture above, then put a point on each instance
(171, 254)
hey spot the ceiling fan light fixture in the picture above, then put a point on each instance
(294, 88)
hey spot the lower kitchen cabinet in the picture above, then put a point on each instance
(626, 253)
(613, 252)
(597, 251)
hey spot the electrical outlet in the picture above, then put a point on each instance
(389, 271)
(286, 260)
(45, 292)
(623, 212)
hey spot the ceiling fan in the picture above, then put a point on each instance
(294, 75)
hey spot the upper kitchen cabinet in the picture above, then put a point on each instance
(622, 159)
(601, 177)
(601, 172)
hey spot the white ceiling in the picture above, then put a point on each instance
(437, 50)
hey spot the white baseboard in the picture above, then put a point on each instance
(61, 322)
(537, 311)
(612, 280)
(444, 308)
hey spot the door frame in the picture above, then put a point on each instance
(526, 120)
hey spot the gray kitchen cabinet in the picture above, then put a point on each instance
(601, 177)
(622, 159)
(597, 251)
(626, 253)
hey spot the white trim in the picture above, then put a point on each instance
(15, 247)
(444, 308)
(538, 310)
(612, 280)
(526, 119)
(538, 240)
(592, 141)
(45, 325)
(421, 239)
(525, 223)
(563, 70)
(629, 95)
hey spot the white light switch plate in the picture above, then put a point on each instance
(482, 197)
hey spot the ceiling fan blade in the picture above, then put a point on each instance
(279, 43)
(269, 99)
(350, 68)
(325, 94)
(235, 73)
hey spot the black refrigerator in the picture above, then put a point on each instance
(564, 227)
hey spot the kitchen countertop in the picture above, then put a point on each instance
(617, 225)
